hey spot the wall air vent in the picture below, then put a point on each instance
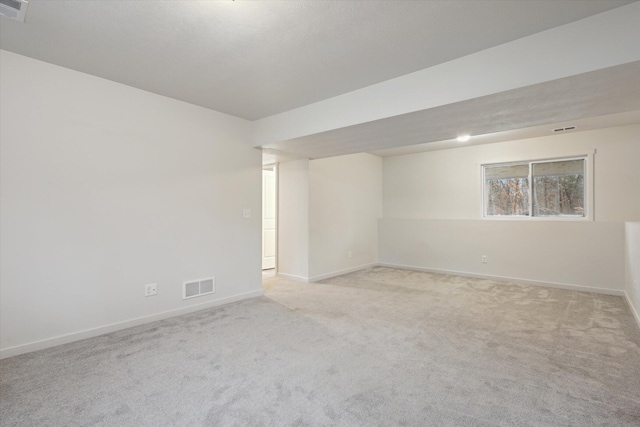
(565, 129)
(14, 9)
(198, 288)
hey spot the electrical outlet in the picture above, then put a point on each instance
(151, 289)
(484, 259)
(349, 254)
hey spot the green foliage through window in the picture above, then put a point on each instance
(541, 189)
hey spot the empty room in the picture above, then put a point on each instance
(319, 213)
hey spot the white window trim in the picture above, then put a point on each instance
(589, 214)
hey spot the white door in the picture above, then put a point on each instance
(268, 219)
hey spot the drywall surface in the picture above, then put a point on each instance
(447, 184)
(580, 255)
(293, 219)
(345, 203)
(433, 213)
(106, 188)
(553, 54)
(632, 267)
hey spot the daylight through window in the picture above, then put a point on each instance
(548, 188)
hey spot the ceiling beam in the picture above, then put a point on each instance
(600, 41)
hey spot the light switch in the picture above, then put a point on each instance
(246, 213)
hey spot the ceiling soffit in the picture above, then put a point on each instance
(598, 93)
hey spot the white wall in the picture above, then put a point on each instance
(293, 219)
(326, 209)
(345, 203)
(446, 184)
(585, 256)
(106, 188)
(432, 211)
(632, 267)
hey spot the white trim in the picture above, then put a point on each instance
(293, 277)
(275, 168)
(341, 272)
(101, 330)
(515, 280)
(589, 182)
(276, 171)
(633, 309)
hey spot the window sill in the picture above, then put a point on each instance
(537, 218)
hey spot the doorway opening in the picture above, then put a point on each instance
(269, 219)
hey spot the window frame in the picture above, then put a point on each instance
(588, 190)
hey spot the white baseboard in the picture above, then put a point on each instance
(516, 280)
(634, 312)
(341, 272)
(294, 277)
(90, 333)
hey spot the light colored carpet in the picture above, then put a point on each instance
(380, 347)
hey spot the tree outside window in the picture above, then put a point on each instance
(535, 189)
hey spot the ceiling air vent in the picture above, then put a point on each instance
(14, 9)
(565, 129)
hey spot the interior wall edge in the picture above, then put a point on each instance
(106, 329)
(294, 277)
(632, 268)
(341, 272)
(514, 280)
(634, 313)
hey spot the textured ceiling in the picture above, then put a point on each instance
(594, 94)
(591, 123)
(255, 59)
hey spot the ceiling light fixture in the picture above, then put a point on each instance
(463, 138)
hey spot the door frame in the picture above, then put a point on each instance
(274, 168)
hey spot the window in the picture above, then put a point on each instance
(546, 188)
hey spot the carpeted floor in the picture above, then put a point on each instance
(380, 347)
